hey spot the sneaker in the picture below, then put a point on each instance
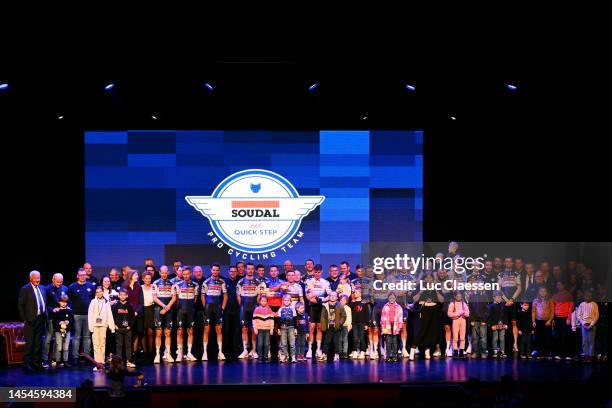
(353, 355)
(130, 364)
(309, 353)
(336, 357)
(557, 357)
(293, 359)
(319, 353)
(523, 357)
(483, 355)
(322, 357)
(220, 356)
(515, 348)
(244, 354)
(156, 359)
(374, 356)
(469, 349)
(179, 356)
(45, 364)
(53, 364)
(405, 353)
(568, 358)
(362, 355)
(503, 355)
(474, 355)
(255, 355)
(495, 354)
(449, 352)
(437, 353)
(411, 355)
(427, 356)
(95, 369)
(168, 357)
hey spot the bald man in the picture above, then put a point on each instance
(53, 293)
(90, 277)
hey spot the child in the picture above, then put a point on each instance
(346, 327)
(116, 374)
(124, 317)
(360, 314)
(525, 329)
(344, 287)
(100, 318)
(588, 314)
(479, 314)
(263, 326)
(287, 330)
(542, 315)
(63, 323)
(458, 311)
(498, 321)
(333, 317)
(391, 322)
(303, 328)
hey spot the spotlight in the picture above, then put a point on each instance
(208, 86)
(108, 87)
(364, 117)
(154, 117)
(511, 87)
(410, 88)
(453, 118)
(60, 117)
(3, 86)
(313, 86)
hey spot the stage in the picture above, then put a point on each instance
(250, 372)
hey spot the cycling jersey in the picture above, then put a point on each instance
(364, 285)
(317, 287)
(213, 290)
(508, 282)
(262, 285)
(275, 298)
(163, 289)
(286, 317)
(248, 289)
(295, 290)
(186, 294)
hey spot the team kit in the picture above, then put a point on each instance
(289, 316)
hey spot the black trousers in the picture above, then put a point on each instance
(232, 334)
(543, 335)
(124, 343)
(562, 337)
(332, 336)
(34, 334)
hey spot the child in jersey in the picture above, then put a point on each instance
(346, 327)
(287, 330)
(303, 329)
(263, 326)
(458, 312)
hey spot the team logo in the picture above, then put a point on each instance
(255, 210)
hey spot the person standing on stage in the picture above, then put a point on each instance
(240, 269)
(148, 310)
(164, 297)
(334, 277)
(231, 316)
(214, 300)
(53, 292)
(391, 322)
(247, 296)
(309, 267)
(198, 325)
(116, 280)
(293, 287)
(345, 269)
(63, 324)
(564, 305)
(317, 292)
(426, 307)
(80, 293)
(287, 266)
(187, 292)
(510, 285)
(99, 319)
(124, 317)
(458, 311)
(90, 277)
(135, 297)
(177, 269)
(33, 312)
(543, 316)
(333, 316)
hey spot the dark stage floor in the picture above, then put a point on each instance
(343, 372)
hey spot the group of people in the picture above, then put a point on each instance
(290, 316)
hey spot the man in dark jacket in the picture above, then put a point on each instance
(33, 312)
(53, 293)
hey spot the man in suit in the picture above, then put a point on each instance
(33, 312)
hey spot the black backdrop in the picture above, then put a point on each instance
(513, 166)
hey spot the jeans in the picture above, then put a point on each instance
(301, 344)
(50, 336)
(263, 343)
(81, 331)
(62, 344)
(525, 344)
(588, 341)
(392, 345)
(344, 339)
(479, 338)
(124, 343)
(288, 342)
(499, 335)
(359, 341)
(331, 336)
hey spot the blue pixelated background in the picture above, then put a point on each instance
(136, 183)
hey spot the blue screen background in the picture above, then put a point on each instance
(136, 181)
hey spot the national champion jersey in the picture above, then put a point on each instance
(248, 289)
(295, 290)
(273, 282)
(317, 287)
(508, 281)
(213, 290)
(163, 289)
(262, 285)
(364, 285)
(186, 294)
